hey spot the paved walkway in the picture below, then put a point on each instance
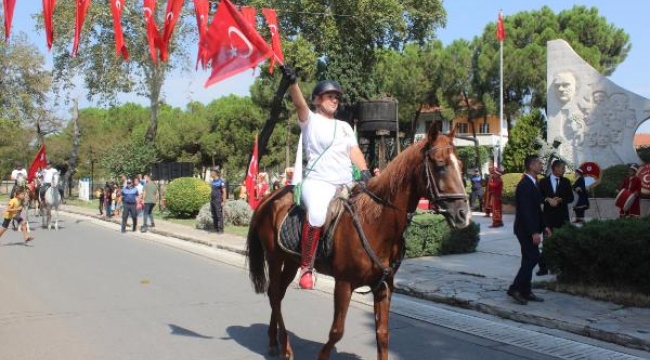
(476, 281)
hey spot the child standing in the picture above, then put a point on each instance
(13, 213)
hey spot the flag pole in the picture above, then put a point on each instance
(501, 130)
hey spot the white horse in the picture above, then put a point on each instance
(52, 200)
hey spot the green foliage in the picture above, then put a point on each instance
(429, 235)
(609, 252)
(130, 158)
(610, 181)
(468, 156)
(185, 196)
(237, 213)
(521, 141)
(510, 182)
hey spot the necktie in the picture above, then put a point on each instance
(557, 185)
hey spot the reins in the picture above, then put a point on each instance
(432, 186)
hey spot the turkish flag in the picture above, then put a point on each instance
(501, 30)
(276, 42)
(120, 47)
(201, 9)
(48, 10)
(153, 36)
(249, 14)
(39, 162)
(8, 6)
(172, 14)
(82, 9)
(251, 177)
(233, 45)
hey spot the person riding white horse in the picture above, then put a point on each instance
(19, 176)
(50, 196)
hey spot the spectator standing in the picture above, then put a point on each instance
(217, 200)
(150, 198)
(557, 194)
(101, 198)
(129, 201)
(582, 204)
(528, 227)
(477, 191)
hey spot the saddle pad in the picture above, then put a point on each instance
(291, 234)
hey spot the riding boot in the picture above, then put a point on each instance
(309, 243)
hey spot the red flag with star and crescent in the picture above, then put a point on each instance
(153, 36)
(501, 30)
(201, 9)
(172, 14)
(82, 9)
(8, 6)
(272, 19)
(120, 46)
(48, 10)
(251, 176)
(40, 161)
(233, 45)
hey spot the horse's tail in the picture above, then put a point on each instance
(255, 258)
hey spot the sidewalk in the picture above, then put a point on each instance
(476, 281)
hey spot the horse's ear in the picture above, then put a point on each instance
(433, 132)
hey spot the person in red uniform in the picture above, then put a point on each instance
(487, 196)
(633, 184)
(495, 188)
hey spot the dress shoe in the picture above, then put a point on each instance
(542, 272)
(516, 295)
(496, 225)
(533, 297)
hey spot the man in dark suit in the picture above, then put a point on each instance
(557, 194)
(529, 225)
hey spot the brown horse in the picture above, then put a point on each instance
(428, 168)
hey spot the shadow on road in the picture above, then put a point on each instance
(181, 331)
(255, 338)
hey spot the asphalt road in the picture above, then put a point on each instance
(89, 292)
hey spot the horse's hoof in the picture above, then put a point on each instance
(288, 356)
(274, 350)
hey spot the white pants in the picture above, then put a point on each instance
(316, 197)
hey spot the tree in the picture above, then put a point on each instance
(129, 158)
(600, 43)
(104, 75)
(522, 140)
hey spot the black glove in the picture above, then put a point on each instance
(365, 176)
(289, 74)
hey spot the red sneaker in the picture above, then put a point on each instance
(29, 239)
(306, 281)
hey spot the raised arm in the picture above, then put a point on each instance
(289, 74)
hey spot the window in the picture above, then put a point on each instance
(462, 128)
(485, 128)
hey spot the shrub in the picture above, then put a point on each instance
(611, 179)
(510, 182)
(429, 235)
(235, 212)
(185, 196)
(608, 252)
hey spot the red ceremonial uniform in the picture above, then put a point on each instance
(633, 184)
(495, 189)
(487, 197)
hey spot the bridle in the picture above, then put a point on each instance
(433, 191)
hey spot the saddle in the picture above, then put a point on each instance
(290, 232)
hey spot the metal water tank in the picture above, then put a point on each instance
(377, 115)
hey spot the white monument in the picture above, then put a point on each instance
(594, 119)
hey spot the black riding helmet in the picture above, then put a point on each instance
(326, 86)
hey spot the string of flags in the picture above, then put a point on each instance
(229, 44)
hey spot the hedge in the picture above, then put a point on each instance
(602, 252)
(611, 179)
(185, 196)
(429, 235)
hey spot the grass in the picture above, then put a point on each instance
(621, 296)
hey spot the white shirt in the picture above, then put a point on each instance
(554, 182)
(48, 174)
(327, 163)
(139, 187)
(16, 172)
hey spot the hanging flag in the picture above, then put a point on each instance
(82, 9)
(153, 36)
(39, 163)
(232, 44)
(501, 31)
(201, 9)
(48, 10)
(251, 178)
(250, 15)
(172, 14)
(8, 6)
(120, 47)
(276, 43)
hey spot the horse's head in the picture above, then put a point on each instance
(443, 178)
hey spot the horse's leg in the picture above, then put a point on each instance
(382, 307)
(342, 295)
(56, 217)
(279, 279)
